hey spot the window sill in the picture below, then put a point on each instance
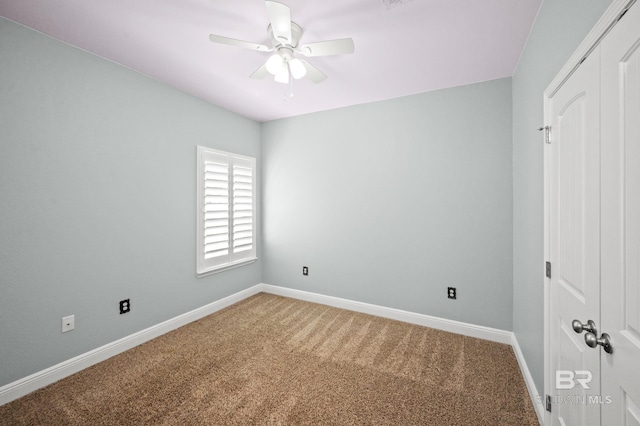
(223, 268)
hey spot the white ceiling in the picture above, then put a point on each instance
(414, 47)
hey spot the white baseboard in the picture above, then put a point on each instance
(536, 399)
(66, 368)
(466, 329)
(50, 375)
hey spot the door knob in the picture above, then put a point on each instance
(579, 327)
(605, 341)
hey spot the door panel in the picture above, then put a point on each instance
(621, 219)
(631, 412)
(575, 357)
(574, 226)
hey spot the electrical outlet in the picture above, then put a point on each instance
(125, 306)
(68, 323)
(451, 292)
(305, 270)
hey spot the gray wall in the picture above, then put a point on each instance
(560, 27)
(391, 202)
(97, 190)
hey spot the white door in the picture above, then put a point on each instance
(574, 225)
(594, 235)
(620, 283)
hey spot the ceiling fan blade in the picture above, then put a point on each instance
(280, 18)
(326, 48)
(239, 43)
(260, 73)
(314, 74)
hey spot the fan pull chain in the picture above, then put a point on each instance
(284, 97)
(291, 85)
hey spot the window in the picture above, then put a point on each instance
(226, 210)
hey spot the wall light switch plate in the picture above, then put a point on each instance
(68, 323)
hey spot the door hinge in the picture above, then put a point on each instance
(547, 133)
(547, 402)
(548, 269)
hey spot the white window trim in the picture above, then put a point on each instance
(237, 167)
(226, 267)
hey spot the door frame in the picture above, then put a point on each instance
(599, 31)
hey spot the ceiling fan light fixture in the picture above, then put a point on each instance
(275, 64)
(282, 76)
(298, 70)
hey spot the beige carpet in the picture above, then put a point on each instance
(274, 360)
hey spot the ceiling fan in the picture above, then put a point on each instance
(285, 36)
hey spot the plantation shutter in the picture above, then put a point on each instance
(226, 209)
(243, 208)
(216, 208)
(215, 218)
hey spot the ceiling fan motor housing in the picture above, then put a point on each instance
(296, 35)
